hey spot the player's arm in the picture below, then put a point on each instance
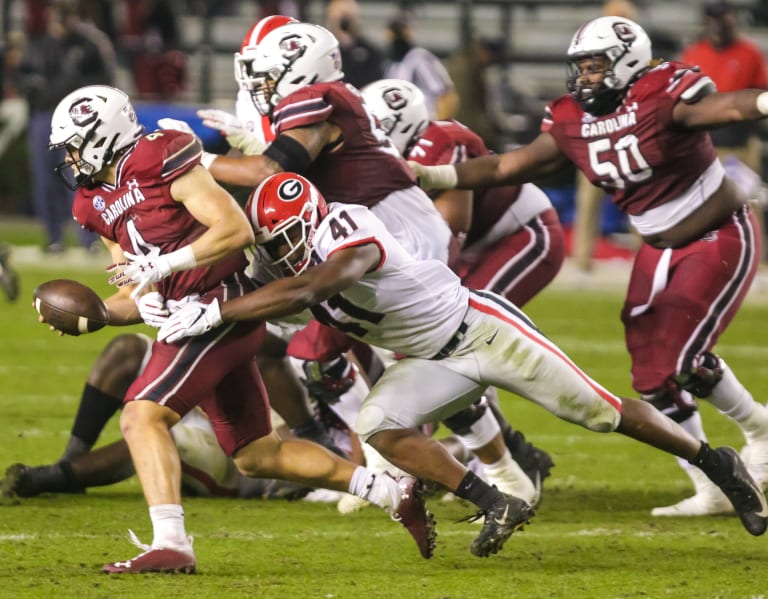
(122, 308)
(277, 299)
(716, 109)
(291, 295)
(228, 230)
(293, 151)
(539, 158)
(455, 206)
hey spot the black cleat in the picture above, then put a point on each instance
(743, 492)
(507, 515)
(29, 481)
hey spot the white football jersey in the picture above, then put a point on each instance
(405, 305)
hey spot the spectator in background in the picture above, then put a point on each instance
(363, 62)
(150, 40)
(467, 68)
(733, 63)
(422, 68)
(57, 60)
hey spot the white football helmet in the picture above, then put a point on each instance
(287, 59)
(401, 109)
(628, 50)
(254, 36)
(97, 121)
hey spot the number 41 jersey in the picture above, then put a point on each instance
(405, 305)
(637, 153)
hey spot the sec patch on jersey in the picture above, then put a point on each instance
(71, 307)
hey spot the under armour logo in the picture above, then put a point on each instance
(123, 564)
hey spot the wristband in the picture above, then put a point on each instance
(762, 103)
(182, 259)
(207, 158)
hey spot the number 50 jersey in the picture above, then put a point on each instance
(637, 153)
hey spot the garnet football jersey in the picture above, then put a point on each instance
(636, 152)
(450, 142)
(364, 167)
(139, 213)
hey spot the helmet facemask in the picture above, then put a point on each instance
(285, 211)
(595, 98)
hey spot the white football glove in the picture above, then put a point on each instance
(141, 271)
(176, 125)
(152, 309)
(192, 319)
(237, 134)
(441, 176)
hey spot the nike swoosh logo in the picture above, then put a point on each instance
(492, 337)
(503, 520)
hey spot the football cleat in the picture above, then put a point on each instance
(743, 492)
(507, 515)
(154, 559)
(412, 513)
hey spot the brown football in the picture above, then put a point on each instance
(71, 307)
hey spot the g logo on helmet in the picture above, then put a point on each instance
(290, 190)
(82, 112)
(394, 98)
(625, 32)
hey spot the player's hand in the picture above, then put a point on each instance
(328, 381)
(41, 319)
(152, 309)
(140, 270)
(192, 319)
(221, 120)
(441, 176)
(175, 125)
(237, 134)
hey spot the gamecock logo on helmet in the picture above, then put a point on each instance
(625, 32)
(82, 112)
(290, 190)
(291, 46)
(394, 98)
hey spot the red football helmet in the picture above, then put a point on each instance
(284, 212)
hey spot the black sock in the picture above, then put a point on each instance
(711, 463)
(96, 408)
(474, 489)
(57, 478)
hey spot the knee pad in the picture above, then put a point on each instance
(705, 372)
(461, 422)
(673, 402)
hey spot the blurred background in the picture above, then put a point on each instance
(505, 59)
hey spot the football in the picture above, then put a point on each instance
(71, 307)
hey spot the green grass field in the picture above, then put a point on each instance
(592, 537)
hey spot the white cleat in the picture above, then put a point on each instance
(709, 500)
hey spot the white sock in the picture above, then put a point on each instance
(168, 526)
(731, 397)
(376, 488)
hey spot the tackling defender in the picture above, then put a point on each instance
(341, 263)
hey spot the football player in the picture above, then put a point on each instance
(167, 223)
(638, 129)
(325, 131)
(340, 263)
